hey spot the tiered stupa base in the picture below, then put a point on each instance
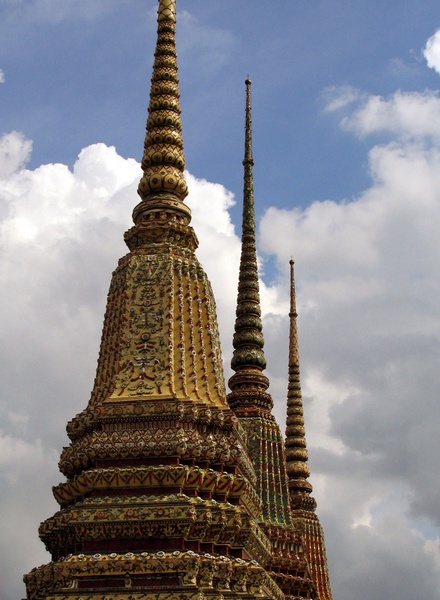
(181, 524)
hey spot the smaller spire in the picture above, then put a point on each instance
(296, 445)
(248, 359)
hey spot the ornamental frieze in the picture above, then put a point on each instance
(216, 447)
(161, 235)
(133, 414)
(188, 478)
(203, 529)
(183, 507)
(142, 517)
(218, 573)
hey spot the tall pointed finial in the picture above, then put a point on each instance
(162, 186)
(296, 446)
(248, 359)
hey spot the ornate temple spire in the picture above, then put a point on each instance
(296, 446)
(162, 184)
(159, 497)
(248, 359)
(168, 493)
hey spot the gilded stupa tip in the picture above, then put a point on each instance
(162, 185)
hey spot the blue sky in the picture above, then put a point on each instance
(346, 131)
(76, 76)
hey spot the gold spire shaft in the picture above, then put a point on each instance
(162, 184)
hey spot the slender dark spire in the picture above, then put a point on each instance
(248, 359)
(296, 446)
(248, 223)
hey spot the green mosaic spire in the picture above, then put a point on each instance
(248, 360)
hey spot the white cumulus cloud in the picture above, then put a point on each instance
(337, 97)
(432, 51)
(14, 153)
(404, 114)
